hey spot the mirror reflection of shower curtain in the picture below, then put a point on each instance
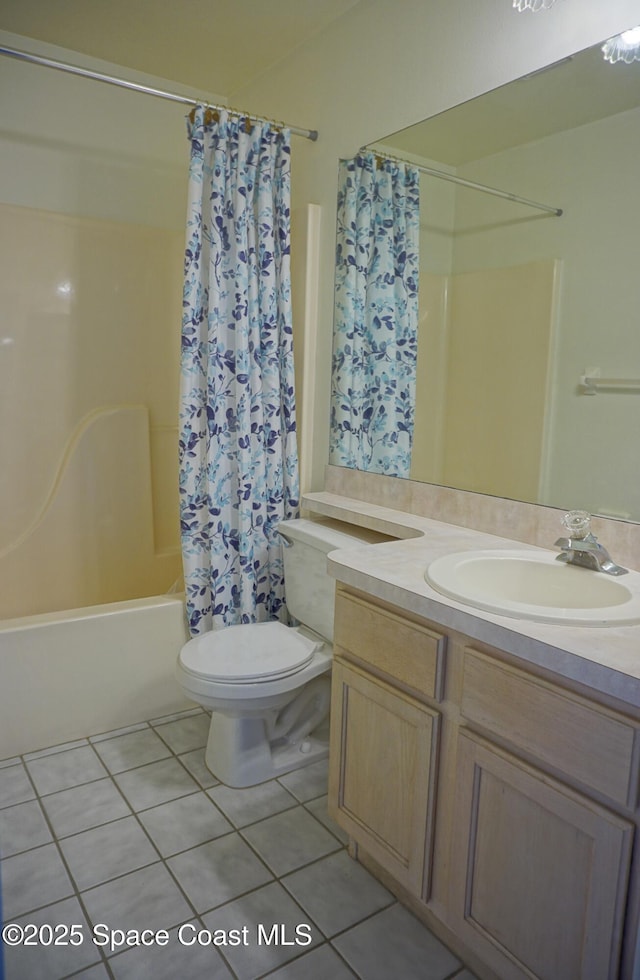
(376, 315)
(238, 451)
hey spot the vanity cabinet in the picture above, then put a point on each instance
(541, 858)
(382, 783)
(539, 873)
(503, 804)
(384, 739)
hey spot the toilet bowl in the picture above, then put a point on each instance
(268, 685)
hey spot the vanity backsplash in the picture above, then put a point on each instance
(530, 523)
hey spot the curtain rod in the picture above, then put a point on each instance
(310, 134)
(468, 183)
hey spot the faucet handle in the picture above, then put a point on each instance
(577, 523)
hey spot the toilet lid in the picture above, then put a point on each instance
(251, 652)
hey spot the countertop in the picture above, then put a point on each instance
(606, 659)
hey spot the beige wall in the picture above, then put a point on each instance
(387, 65)
(81, 147)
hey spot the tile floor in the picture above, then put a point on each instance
(129, 831)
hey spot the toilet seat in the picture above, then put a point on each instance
(248, 653)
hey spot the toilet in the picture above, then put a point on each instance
(268, 685)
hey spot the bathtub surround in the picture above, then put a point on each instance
(92, 241)
(238, 452)
(83, 670)
(96, 520)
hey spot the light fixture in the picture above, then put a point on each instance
(533, 4)
(623, 47)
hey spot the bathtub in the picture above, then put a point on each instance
(67, 675)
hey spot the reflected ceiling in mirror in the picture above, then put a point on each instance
(517, 305)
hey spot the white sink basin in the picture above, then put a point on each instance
(533, 585)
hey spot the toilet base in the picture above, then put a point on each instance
(239, 754)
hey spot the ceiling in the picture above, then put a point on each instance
(215, 46)
(573, 92)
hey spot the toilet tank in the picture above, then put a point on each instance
(309, 590)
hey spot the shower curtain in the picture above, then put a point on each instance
(238, 453)
(376, 315)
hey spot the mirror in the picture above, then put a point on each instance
(519, 308)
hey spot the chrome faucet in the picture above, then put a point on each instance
(582, 547)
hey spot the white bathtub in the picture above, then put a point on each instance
(66, 675)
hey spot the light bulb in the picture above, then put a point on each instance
(623, 47)
(533, 4)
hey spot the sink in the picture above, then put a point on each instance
(533, 585)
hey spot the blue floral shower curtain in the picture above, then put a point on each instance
(376, 315)
(238, 454)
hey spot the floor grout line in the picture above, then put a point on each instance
(301, 805)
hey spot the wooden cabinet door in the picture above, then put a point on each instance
(382, 773)
(539, 872)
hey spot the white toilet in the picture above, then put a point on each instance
(268, 685)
